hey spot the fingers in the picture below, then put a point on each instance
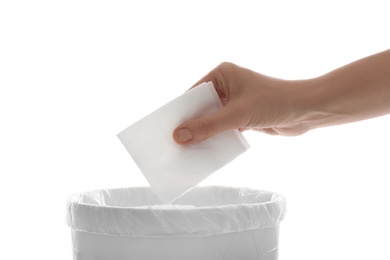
(226, 118)
(200, 129)
(221, 77)
(214, 76)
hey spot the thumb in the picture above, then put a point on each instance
(200, 129)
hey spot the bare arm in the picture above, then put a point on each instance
(354, 92)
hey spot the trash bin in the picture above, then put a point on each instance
(210, 222)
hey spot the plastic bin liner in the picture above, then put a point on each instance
(209, 222)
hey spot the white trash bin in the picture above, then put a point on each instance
(207, 223)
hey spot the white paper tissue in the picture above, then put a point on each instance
(172, 169)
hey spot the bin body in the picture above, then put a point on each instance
(208, 223)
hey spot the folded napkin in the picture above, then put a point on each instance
(172, 169)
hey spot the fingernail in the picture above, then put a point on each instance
(183, 135)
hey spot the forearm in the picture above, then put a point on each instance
(354, 92)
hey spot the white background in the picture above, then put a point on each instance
(73, 74)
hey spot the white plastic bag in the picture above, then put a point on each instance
(206, 223)
(173, 169)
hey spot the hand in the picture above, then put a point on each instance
(251, 101)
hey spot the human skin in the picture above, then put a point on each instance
(253, 101)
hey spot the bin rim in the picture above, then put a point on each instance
(152, 221)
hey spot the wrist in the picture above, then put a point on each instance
(315, 104)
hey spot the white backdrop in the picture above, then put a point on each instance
(75, 73)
